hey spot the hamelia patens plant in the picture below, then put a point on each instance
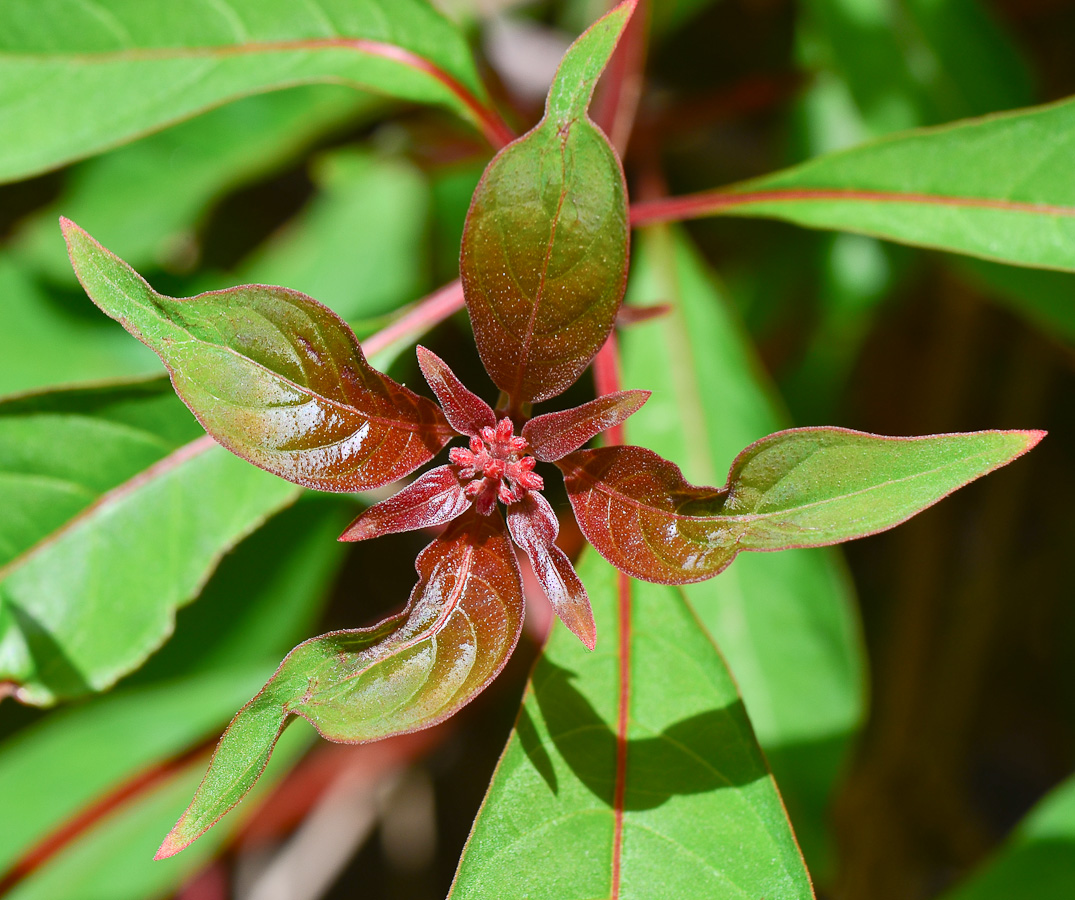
(281, 381)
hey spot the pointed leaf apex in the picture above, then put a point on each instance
(172, 844)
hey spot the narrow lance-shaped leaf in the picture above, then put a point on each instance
(997, 187)
(465, 410)
(632, 774)
(273, 375)
(554, 435)
(95, 485)
(78, 78)
(544, 258)
(436, 497)
(805, 487)
(534, 527)
(409, 672)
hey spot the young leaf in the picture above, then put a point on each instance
(436, 497)
(77, 79)
(785, 622)
(806, 487)
(997, 187)
(96, 485)
(466, 411)
(633, 774)
(544, 258)
(534, 527)
(273, 375)
(554, 435)
(409, 672)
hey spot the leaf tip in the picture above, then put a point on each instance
(1033, 437)
(172, 844)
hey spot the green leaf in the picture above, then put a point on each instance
(114, 517)
(254, 607)
(805, 487)
(1037, 860)
(410, 671)
(683, 807)
(276, 377)
(545, 248)
(147, 199)
(784, 621)
(76, 78)
(998, 188)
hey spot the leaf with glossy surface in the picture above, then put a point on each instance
(99, 486)
(534, 527)
(805, 487)
(409, 672)
(554, 435)
(996, 188)
(434, 498)
(632, 773)
(545, 248)
(784, 621)
(273, 375)
(76, 79)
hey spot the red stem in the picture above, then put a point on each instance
(713, 203)
(606, 377)
(424, 315)
(621, 87)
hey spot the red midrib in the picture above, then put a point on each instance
(624, 596)
(492, 125)
(709, 203)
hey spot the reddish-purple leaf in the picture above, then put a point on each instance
(409, 672)
(466, 411)
(534, 527)
(273, 375)
(545, 248)
(433, 499)
(554, 435)
(806, 487)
